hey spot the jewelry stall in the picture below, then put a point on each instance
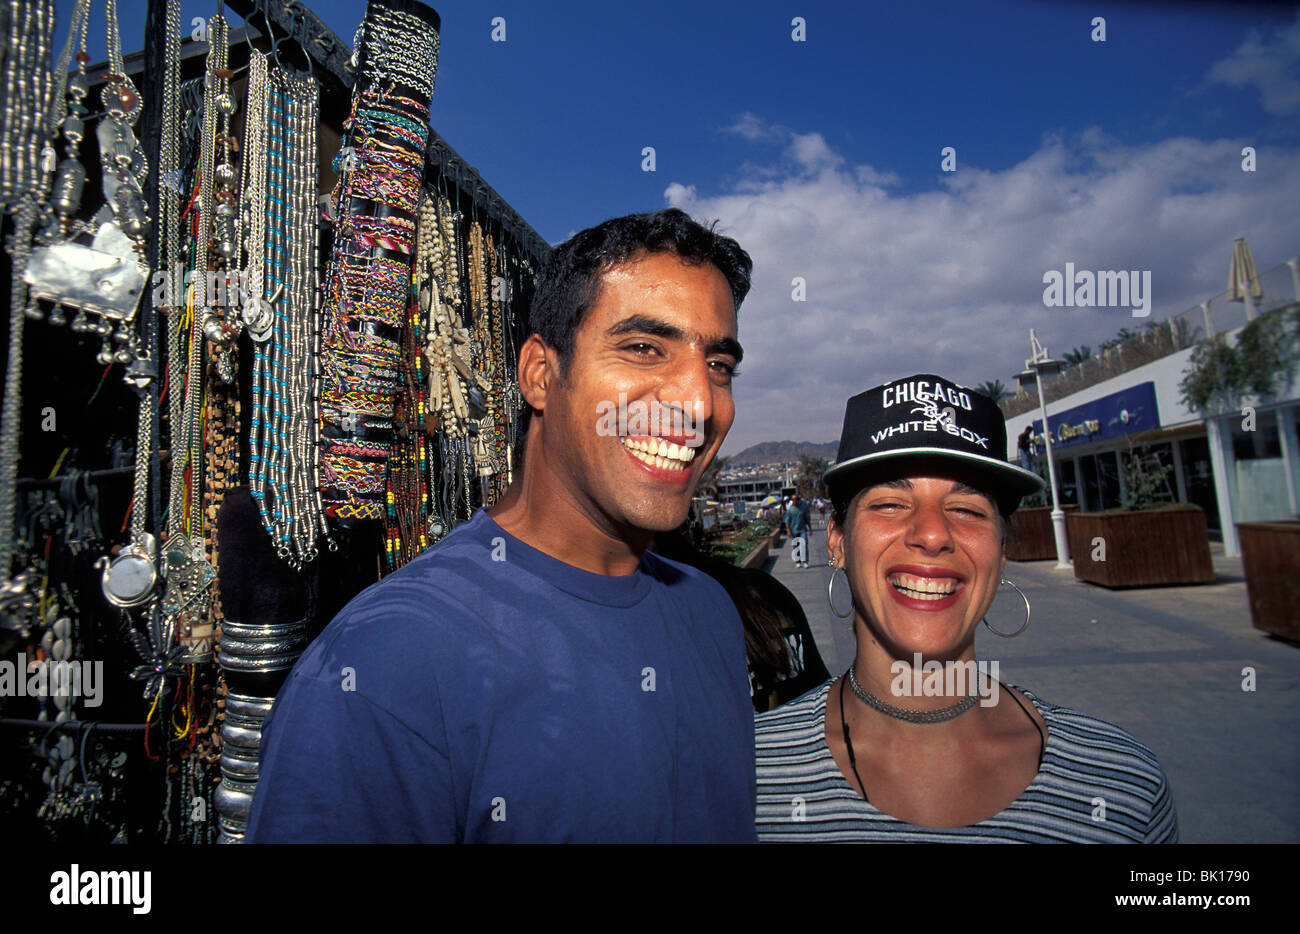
(262, 348)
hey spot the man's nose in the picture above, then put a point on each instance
(690, 389)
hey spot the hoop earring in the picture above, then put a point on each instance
(830, 593)
(1023, 627)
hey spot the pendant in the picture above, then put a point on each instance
(17, 603)
(258, 315)
(188, 596)
(225, 365)
(435, 528)
(104, 278)
(128, 580)
(514, 400)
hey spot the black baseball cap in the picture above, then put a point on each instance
(933, 422)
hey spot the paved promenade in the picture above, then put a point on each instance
(1164, 663)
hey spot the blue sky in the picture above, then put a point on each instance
(823, 158)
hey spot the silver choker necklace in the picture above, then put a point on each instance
(942, 715)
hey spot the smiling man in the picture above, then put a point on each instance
(539, 675)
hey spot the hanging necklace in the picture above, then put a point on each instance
(170, 236)
(188, 601)
(128, 580)
(71, 178)
(31, 30)
(188, 574)
(279, 311)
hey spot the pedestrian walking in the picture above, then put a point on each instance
(797, 521)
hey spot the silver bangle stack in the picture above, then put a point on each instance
(387, 33)
(241, 737)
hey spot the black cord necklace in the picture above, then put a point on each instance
(848, 742)
(853, 759)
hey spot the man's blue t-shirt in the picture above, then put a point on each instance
(487, 692)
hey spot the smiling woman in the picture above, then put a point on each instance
(920, 506)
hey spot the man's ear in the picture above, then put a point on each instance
(538, 365)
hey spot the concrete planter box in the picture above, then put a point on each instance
(1147, 548)
(1270, 557)
(1030, 537)
(757, 557)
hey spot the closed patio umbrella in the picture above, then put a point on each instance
(1243, 280)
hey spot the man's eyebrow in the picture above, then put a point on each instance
(729, 346)
(655, 327)
(644, 324)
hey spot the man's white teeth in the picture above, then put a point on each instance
(660, 453)
(924, 588)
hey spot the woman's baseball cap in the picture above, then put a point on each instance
(931, 421)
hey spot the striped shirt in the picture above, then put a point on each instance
(803, 797)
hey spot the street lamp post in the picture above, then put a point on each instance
(1038, 364)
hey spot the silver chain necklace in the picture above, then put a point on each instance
(31, 30)
(169, 190)
(942, 715)
(280, 157)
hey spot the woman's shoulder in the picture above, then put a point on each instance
(1086, 747)
(1074, 728)
(1107, 767)
(803, 711)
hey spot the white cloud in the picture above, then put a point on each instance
(812, 153)
(806, 152)
(751, 127)
(950, 280)
(1271, 66)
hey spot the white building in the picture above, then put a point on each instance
(753, 486)
(1240, 462)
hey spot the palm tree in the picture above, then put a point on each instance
(994, 389)
(1125, 334)
(809, 478)
(1078, 355)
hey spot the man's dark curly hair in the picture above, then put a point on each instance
(570, 280)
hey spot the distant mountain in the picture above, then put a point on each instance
(784, 452)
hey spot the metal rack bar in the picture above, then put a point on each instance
(331, 63)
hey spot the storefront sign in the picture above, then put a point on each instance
(1120, 413)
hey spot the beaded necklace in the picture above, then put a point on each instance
(496, 417)
(280, 155)
(488, 444)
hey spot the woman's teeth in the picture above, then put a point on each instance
(924, 588)
(660, 453)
